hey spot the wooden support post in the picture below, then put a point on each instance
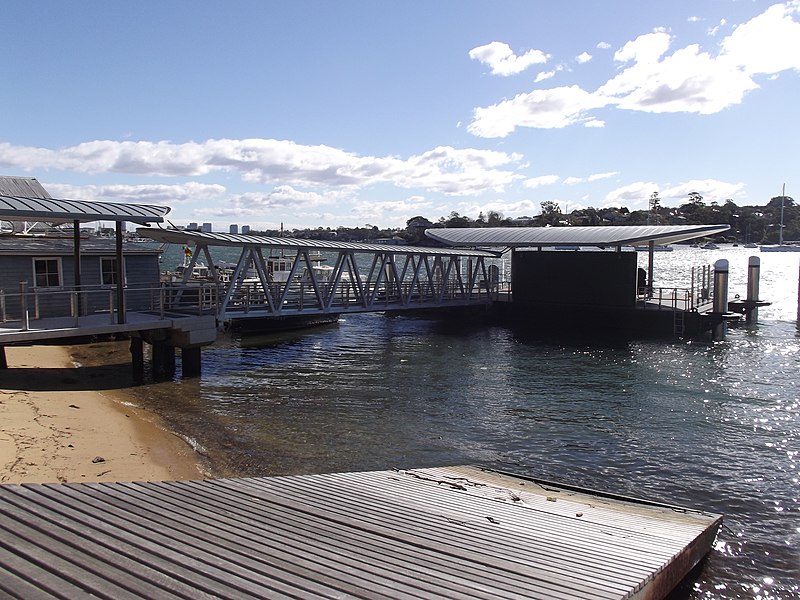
(137, 357)
(3, 361)
(190, 362)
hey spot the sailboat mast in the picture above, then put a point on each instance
(783, 200)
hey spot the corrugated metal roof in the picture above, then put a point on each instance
(22, 186)
(610, 236)
(43, 246)
(55, 210)
(174, 236)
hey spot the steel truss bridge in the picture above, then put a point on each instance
(362, 278)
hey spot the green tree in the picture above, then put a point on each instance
(551, 213)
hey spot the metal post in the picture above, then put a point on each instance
(23, 294)
(720, 305)
(111, 306)
(3, 305)
(753, 276)
(73, 307)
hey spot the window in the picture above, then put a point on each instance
(108, 271)
(47, 272)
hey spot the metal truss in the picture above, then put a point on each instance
(360, 281)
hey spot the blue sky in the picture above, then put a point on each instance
(322, 113)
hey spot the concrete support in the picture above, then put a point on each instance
(163, 360)
(753, 276)
(190, 362)
(137, 357)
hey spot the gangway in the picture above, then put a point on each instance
(363, 278)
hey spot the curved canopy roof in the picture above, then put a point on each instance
(54, 210)
(175, 236)
(609, 236)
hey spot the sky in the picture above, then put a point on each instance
(356, 112)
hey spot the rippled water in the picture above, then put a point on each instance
(714, 426)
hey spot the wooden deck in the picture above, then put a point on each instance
(457, 532)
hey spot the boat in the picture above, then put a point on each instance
(793, 247)
(656, 248)
(750, 245)
(710, 246)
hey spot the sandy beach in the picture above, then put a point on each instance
(62, 423)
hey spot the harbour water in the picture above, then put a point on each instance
(714, 426)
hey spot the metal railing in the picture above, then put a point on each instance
(682, 298)
(69, 305)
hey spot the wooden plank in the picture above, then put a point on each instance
(207, 574)
(297, 537)
(441, 527)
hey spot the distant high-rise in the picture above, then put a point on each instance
(192, 227)
(245, 229)
(206, 228)
(234, 228)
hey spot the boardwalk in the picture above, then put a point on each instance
(457, 532)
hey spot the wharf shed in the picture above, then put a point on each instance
(562, 278)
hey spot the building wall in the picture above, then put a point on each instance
(142, 273)
(570, 278)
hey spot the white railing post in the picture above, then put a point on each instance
(111, 307)
(23, 294)
(73, 307)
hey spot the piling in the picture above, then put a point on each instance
(720, 306)
(190, 362)
(753, 277)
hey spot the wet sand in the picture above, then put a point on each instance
(64, 423)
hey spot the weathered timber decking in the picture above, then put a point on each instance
(453, 532)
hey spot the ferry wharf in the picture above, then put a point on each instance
(447, 532)
(588, 279)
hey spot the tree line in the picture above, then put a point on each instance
(758, 224)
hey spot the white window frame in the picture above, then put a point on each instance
(116, 272)
(60, 272)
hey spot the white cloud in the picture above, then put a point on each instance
(573, 180)
(546, 109)
(502, 60)
(544, 75)
(714, 30)
(142, 194)
(646, 49)
(712, 190)
(686, 81)
(279, 163)
(583, 57)
(541, 180)
(768, 43)
(603, 46)
(599, 176)
(635, 196)
(651, 79)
